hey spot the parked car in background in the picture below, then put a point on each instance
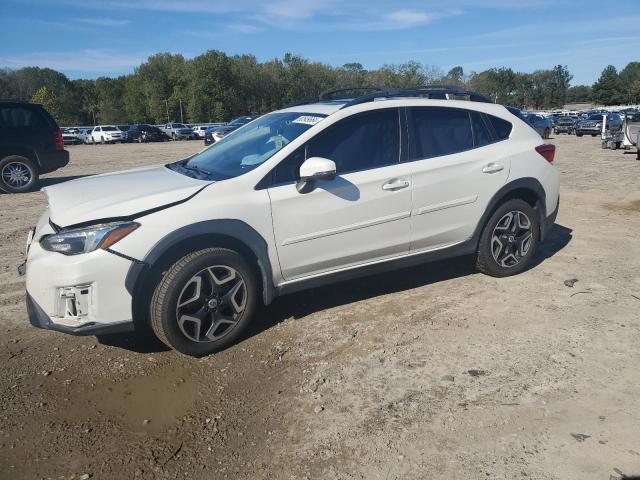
(143, 133)
(564, 124)
(71, 136)
(178, 131)
(85, 134)
(125, 132)
(214, 134)
(30, 144)
(106, 134)
(542, 125)
(591, 125)
(199, 130)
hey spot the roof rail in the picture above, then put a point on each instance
(444, 92)
(330, 95)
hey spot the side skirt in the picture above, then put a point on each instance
(467, 247)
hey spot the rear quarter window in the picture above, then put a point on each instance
(501, 127)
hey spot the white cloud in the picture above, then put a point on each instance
(103, 22)
(83, 61)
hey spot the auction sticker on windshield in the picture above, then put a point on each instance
(307, 120)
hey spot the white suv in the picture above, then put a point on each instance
(106, 134)
(300, 197)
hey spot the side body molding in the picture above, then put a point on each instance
(233, 229)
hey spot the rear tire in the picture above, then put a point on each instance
(547, 133)
(509, 239)
(578, 134)
(18, 174)
(204, 302)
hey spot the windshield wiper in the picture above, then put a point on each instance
(201, 171)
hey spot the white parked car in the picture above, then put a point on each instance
(199, 130)
(106, 134)
(298, 198)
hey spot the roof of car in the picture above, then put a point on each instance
(327, 108)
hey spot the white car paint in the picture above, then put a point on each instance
(360, 218)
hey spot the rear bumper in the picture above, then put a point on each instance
(549, 221)
(39, 319)
(51, 161)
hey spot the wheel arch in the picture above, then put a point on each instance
(528, 189)
(21, 150)
(232, 234)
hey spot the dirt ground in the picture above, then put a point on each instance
(432, 372)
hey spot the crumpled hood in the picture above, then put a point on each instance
(119, 194)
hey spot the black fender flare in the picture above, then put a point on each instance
(231, 228)
(525, 183)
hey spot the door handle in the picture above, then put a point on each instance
(395, 184)
(492, 168)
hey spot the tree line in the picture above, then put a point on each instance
(215, 86)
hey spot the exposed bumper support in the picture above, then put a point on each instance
(38, 318)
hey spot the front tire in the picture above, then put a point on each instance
(204, 302)
(509, 240)
(18, 174)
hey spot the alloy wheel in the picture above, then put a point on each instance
(16, 175)
(211, 303)
(511, 239)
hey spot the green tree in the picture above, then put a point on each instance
(578, 93)
(629, 79)
(48, 100)
(608, 90)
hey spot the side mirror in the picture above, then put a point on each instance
(314, 169)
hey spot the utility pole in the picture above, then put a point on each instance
(181, 119)
(166, 102)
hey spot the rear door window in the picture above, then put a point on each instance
(501, 127)
(481, 134)
(438, 131)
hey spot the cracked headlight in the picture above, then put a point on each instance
(87, 239)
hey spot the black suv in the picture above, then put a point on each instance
(30, 144)
(146, 133)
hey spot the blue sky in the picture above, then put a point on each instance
(87, 38)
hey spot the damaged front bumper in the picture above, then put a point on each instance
(77, 294)
(39, 319)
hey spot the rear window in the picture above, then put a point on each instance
(500, 126)
(20, 117)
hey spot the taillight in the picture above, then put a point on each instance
(548, 151)
(59, 140)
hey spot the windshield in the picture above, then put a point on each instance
(248, 147)
(240, 120)
(596, 117)
(109, 129)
